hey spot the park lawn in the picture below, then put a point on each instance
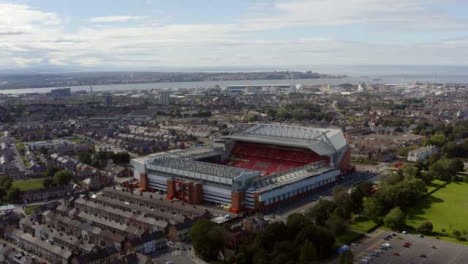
(447, 208)
(29, 185)
(348, 237)
(363, 224)
(434, 185)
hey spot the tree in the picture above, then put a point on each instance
(207, 239)
(308, 253)
(295, 223)
(373, 209)
(395, 219)
(5, 185)
(50, 171)
(336, 224)
(63, 177)
(346, 257)
(85, 157)
(121, 158)
(426, 227)
(273, 233)
(49, 182)
(343, 201)
(321, 211)
(436, 140)
(13, 195)
(445, 168)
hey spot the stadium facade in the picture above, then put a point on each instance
(255, 169)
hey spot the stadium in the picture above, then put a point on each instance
(256, 169)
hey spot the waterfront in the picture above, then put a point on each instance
(394, 79)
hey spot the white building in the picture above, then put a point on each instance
(421, 154)
(165, 98)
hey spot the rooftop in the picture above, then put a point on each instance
(322, 141)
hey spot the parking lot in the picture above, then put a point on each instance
(389, 247)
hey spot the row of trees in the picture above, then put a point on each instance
(99, 159)
(56, 177)
(7, 191)
(307, 238)
(301, 111)
(396, 193)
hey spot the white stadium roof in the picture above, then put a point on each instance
(323, 141)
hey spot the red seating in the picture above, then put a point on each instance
(270, 159)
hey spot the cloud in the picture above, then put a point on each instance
(112, 19)
(29, 36)
(25, 62)
(17, 19)
(319, 13)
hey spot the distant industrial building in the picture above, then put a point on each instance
(260, 89)
(165, 98)
(256, 169)
(63, 92)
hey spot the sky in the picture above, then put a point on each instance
(146, 34)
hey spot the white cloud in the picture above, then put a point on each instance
(112, 19)
(16, 19)
(25, 62)
(29, 36)
(314, 13)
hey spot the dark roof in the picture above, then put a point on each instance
(101, 253)
(146, 237)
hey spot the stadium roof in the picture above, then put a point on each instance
(322, 141)
(191, 167)
(280, 179)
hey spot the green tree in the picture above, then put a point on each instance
(373, 209)
(85, 157)
(5, 185)
(445, 168)
(13, 195)
(63, 177)
(346, 257)
(321, 211)
(50, 171)
(436, 140)
(49, 182)
(308, 254)
(295, 223)
(207, 239)
(336, 224)
(426, 227)
(395, 219)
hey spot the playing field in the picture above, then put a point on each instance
(29, 184)
(446, 208)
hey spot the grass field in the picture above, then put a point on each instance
(434, 185)
(29, 184)
(447, 208)
(363, 224)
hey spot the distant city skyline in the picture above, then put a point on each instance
(150, 34)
